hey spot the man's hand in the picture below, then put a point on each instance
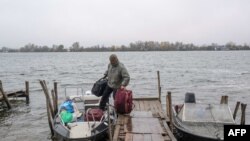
(104, 76)
(123, 87)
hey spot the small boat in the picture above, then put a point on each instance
(83, 129)
(201, 122)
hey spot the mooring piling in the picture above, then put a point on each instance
(169, 99)
(109, 124)
(27, 92)
(224, 99)
(56, 98)
(46, 92)
(243, 114)
(159, 85)
(51, 104)
(236, 109)
(4, 96)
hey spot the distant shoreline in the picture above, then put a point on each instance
(125, 51)
(132, 47)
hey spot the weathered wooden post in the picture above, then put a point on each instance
(159, 85)
(5, 98)
(109, 122)
(53, 100)
(224, 99)
(50, 119)
(50, 112)
(56, 97)
(170, 110)
(236, 109)
(46, 92)
(167, 106)
(1, 94)
(243, 113)
(27, 93)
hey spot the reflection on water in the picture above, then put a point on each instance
(208, 74)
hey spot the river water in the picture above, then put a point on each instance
(208, 74)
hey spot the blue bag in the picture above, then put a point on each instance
(68, 106)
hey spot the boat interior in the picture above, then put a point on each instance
(81, 127)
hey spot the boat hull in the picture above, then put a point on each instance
(182, 135)
(100, 137)
(63, 135)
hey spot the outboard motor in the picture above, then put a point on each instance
(190, 98)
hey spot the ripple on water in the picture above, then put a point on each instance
(208, 74)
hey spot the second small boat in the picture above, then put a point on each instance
(201, 122)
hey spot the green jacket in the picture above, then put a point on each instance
(117, 76)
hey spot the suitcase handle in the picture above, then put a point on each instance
(102, 77)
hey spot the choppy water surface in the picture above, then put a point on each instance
(208, 74)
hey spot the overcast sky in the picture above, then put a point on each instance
(119, 22)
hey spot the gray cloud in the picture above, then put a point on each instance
(108, 22)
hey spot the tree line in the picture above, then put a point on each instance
(135, 46)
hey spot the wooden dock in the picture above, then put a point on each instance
(14, 94)
(147, 122)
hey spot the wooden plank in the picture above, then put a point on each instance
(144, 125)
(159, 128)
(15, 93)
(162, 126)
(147, 137)
(160, 111)
(129, 137)
(138, 137)
(156, 106)
(147, 105)
(141, 114)
(154, 109)
(116, 132)
(127, 119)
(121, 138)
(167, 138)
(142, 107)
(153, 103)
(157, 137)
(137, 106)
(151, 106)
(121, 119)
(128, 125)
(167, 119)
(140, 124)
(170, 134)
(145, 98)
